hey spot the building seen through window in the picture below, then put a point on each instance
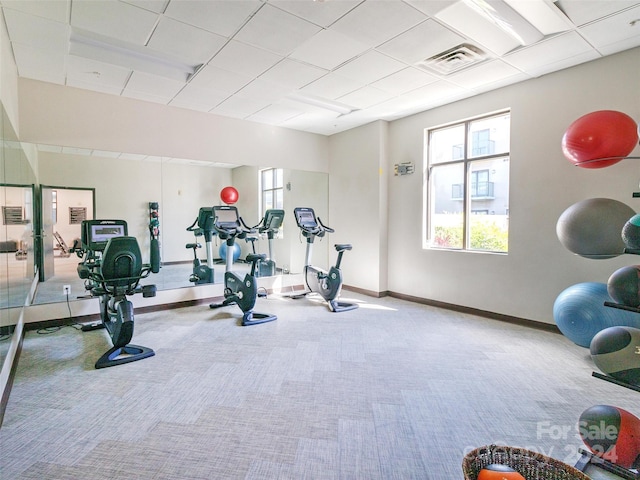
(467, 184)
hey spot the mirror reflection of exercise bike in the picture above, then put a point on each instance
(112, 269)
(202, 227)
(327, 284)
(237, 290)
(269, 226)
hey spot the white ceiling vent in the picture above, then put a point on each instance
(454, 59)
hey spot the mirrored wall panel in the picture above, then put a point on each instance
(164, 196)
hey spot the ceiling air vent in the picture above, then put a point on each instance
(454, 59)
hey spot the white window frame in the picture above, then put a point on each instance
(465, 161)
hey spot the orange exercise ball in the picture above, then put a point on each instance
(605, 134)
(498, 471)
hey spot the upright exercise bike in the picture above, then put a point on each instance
(202, 226)
(112, 269)
(238, 291)
(269, 226)
(327, 284)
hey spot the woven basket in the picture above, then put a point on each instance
(531, 465)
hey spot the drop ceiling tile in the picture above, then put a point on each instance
(217, 16)
(237, 107)
(365, 97)
(105, 153)
(307, 108)
(437, 93)
(201, 99)
(405, 80)
(328, 49)
(39, 65)
(57, 10)
(376, 22)
(585, 11)
(118, 20)
(244, 59)
(192, 45)
(157, 6)
(313, 121)
(421, 42)
(332, 86)
(262, 90)
(76, 151)
(430, 7)
(483, 74)
(622, 28)
(274, 114)
(90, 72)
(153, 85)
(219, 80)
(320, 13)
(133, 156)
(369, 67)
(276, 31)
(566, 49)
(292, 73)
(393, 108)
(37, 32)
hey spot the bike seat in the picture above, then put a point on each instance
(256, 256)
(192, 245)
(340, 247)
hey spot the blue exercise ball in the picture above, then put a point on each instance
(614, 350)
(631, 233)
(580, 313)
(222, 251)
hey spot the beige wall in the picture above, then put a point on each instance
(8, 77)
(358, 178)
(526, 282)
(57, 115)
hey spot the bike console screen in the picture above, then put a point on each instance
(305, 218)
(99, 232)
(226, 217)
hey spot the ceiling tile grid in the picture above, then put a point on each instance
(319, 66)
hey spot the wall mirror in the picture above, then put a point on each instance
(82, 184)
(17, 179)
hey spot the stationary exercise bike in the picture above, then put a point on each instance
(202, 273)
(327, 284)
(238, 291)
(269, 225)
(112, 269)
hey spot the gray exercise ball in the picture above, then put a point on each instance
(591, 228)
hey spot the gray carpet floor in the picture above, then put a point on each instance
(392, 390)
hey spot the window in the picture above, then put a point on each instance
(272, 189)
(467, 186)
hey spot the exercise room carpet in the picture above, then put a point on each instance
(393, 390)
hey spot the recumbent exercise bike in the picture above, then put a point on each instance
(238, 291)
(112, 269)
(327, 284)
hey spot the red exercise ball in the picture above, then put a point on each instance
(229, 195)
(498, 471)
(603, 134)
(612, 434)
